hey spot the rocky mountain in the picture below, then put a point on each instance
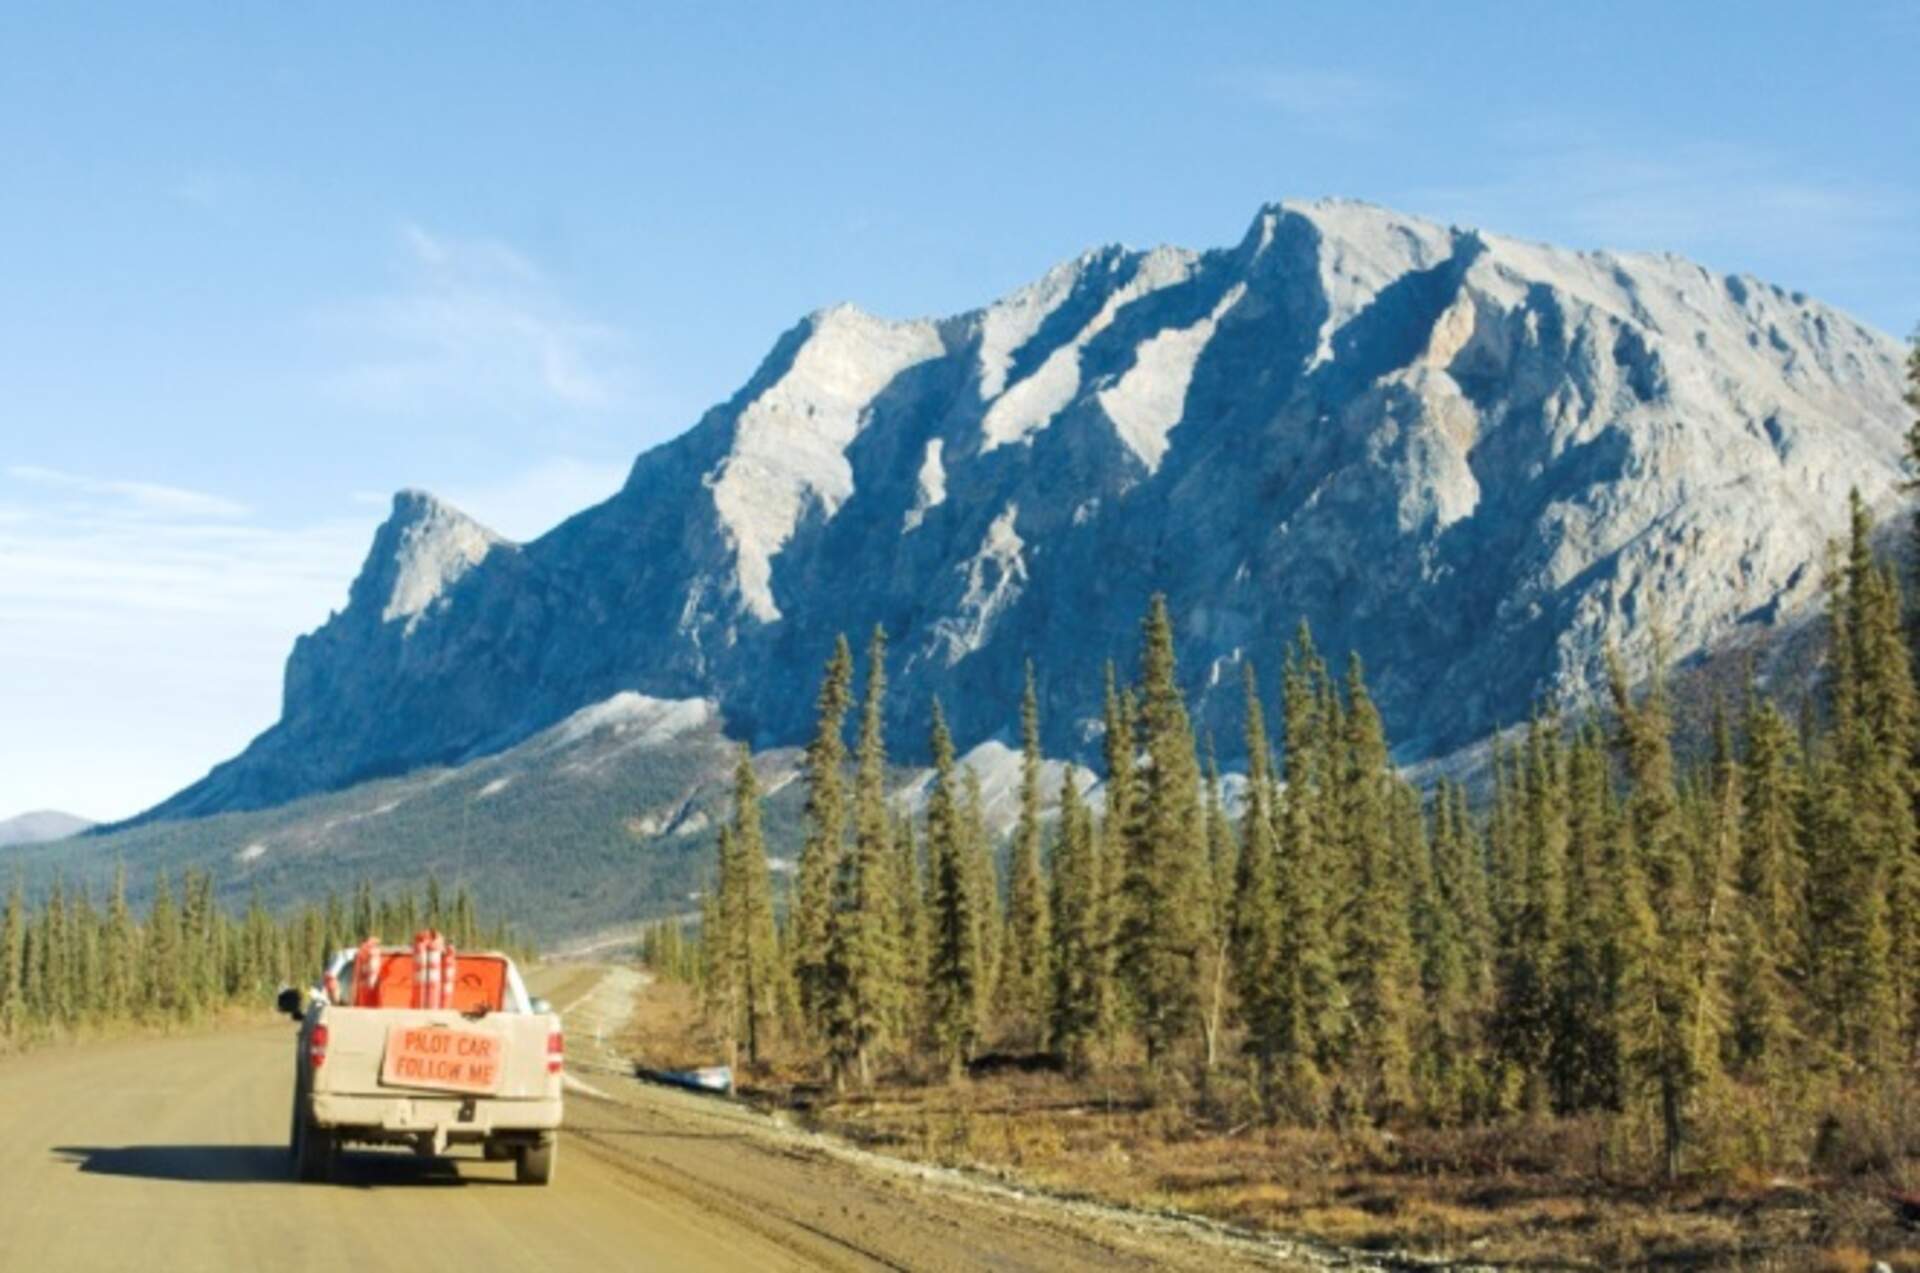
(40, 826)
(1471, 459)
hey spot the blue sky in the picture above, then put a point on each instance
(263, 264)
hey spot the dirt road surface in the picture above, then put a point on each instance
(163, 1154)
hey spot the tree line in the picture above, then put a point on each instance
(68, 962)
(1609, 930)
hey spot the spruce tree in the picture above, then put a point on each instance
(863, 980)
(165, 962)
(755, 974)
(263, 961)
(1256, 905)
(1309, 998)
(1669, 1054)
(1216, 944)
(13, 936)
(55, 969)
(1770, 921)
(953, 950)
(983, 875)
(1380, 969)
(1118, 747)
(1862, 907)
(826, 836)
(721, 931)
(120, 972)
(1077, 939)
(1584, 1053)
(1025, 981)
(1536, 858)
(83, 929)
(1473, 902)
(909, 880)
(196, 925)
(1165, 887)
(464, 929)
(1454, 926)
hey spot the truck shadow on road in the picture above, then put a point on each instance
(262, 1164)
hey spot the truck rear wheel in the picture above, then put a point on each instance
(535, 1163)
(312, 1150)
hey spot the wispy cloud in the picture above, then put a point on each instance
(1324, 99)
(473, 320)
(146, 499)
(143, 629)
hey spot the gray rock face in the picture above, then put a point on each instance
(1470, 459)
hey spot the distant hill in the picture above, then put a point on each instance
(604, 818)
(40, 826)
(608, 818)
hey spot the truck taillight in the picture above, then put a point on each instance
(317, 1047)
(556, 1053)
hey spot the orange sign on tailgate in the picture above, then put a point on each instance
(443, 1058)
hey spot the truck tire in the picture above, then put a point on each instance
(312, 1151)
(535, 1163)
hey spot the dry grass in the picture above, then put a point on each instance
(225, 1017)
(1550, 1193)
(1504, 1195)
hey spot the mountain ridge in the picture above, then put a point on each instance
(1473, 459)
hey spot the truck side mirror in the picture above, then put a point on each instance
(289, 1002)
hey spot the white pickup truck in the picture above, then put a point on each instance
(372, 1069)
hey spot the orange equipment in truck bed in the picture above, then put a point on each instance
(479, 981)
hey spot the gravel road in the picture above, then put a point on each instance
(169, 1153)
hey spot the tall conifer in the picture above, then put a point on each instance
(863, 955)
(1166, 879)
(1077, 937)
(1025, 981)
(1669, 1054)
(13, 936)
(1216, 942)
(953, 949)
(826, 837)
(1256, 905)
(1309, 998)
(1380, 968)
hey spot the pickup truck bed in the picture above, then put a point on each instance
(428, 1079)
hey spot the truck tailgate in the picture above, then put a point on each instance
(398, 1052)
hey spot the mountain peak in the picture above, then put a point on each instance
(421, 550)
(413, 504)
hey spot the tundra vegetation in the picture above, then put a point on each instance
(1642, 973)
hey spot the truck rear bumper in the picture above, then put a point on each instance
(440, 1117)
